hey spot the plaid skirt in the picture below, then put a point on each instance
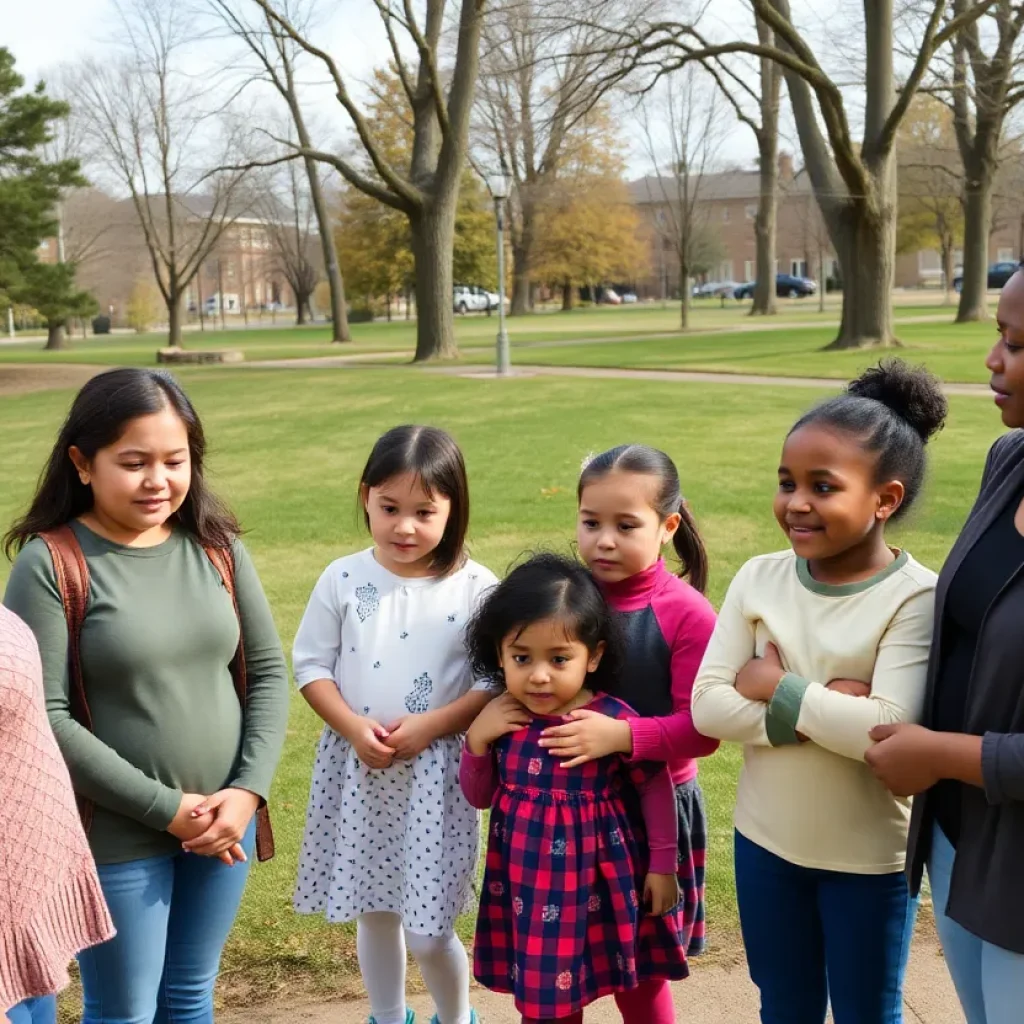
(693, 845)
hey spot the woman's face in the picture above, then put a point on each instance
(1006, 360)
(140, 480)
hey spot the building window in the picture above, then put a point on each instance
(798, 268)
(928, 260)
(44, 245)
(725, 214)
(750, 212)
(749, 270)
(725, 270)
(1005, 256)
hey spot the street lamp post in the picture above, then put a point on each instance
(499, 188)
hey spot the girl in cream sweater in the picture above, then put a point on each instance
(814, 647)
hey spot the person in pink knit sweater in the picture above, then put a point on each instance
(51, 905)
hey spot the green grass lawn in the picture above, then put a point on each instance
(398, 337)
(956, 352)
(286, 450)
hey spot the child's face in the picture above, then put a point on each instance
(828, 501)
(143, 478)
(406, 522)
(544, 668)
(618, 530)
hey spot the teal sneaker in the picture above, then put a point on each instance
(473, 1018)
(410, 1018)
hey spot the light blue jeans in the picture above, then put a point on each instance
(989, 979)
(41, 1010)
(173, 915)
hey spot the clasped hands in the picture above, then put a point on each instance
(378, 746)
(213, 826)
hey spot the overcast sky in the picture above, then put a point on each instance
(44, 33)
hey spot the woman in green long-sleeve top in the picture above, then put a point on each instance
(173, 766)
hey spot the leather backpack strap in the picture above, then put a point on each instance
(72, 574)
(224, 562)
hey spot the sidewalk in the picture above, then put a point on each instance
(714, 994)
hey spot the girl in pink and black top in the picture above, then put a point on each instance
(630, 508)
(580, 898)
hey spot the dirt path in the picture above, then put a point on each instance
(21, 378)
(714, 994)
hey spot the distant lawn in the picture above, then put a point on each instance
(398, 338)
(956, 352)
(288, 446)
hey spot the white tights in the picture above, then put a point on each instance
(381, 942)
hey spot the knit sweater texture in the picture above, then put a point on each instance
(51, 904)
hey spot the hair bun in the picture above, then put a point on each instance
(912, 392)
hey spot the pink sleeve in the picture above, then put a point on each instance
(658, 805)
(687, 621)
(478, 777)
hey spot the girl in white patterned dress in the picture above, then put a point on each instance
(380, 656)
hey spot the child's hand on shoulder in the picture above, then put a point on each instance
(411, 735)
(502, 715)
(760, 677)
(366, 737)
(661, 893)
(587, 736)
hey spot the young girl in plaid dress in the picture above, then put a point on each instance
(580, 898)
(630, 508)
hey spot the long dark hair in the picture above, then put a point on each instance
(99, 415)
(546, 586)
(892, 410)
(435, 459)
(641, 458)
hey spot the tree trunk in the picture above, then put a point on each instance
(684, 295)
(977, 225)
(56, 338)
(522, 253)
(340, 331)
(867, 260)
(765, 233)
(566, 296)
(947, 270)
(300, 309)
(433, 236)
(174, 321)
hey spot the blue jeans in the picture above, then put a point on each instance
(989, 979)
(173, 915)
(41, 1010)
(814, 936)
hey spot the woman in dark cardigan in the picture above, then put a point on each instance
(967, 759)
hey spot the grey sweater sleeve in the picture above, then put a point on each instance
(1002, 766)
(267, 690)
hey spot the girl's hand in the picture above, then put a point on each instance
(186, 824)
(366, 737)
(903, 758)
(502, 715)
(232, 810)
(851, 687)
(410, 736)
(588, 736)
(661, 893)
(760, 677)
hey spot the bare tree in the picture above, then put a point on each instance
(735, 86)
(854, 180)
(284, 204)
(540, 78)
(679, 120)
(161, 136)
(440, 103)
(276, 54)
(980, 79)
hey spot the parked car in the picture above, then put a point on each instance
(610, 297)
(628, 298)
(714, 289)
(470, 299)
(998, 275)
(787, 286)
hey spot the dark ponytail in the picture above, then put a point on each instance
(647, 461)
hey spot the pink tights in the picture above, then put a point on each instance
(649, 1003)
